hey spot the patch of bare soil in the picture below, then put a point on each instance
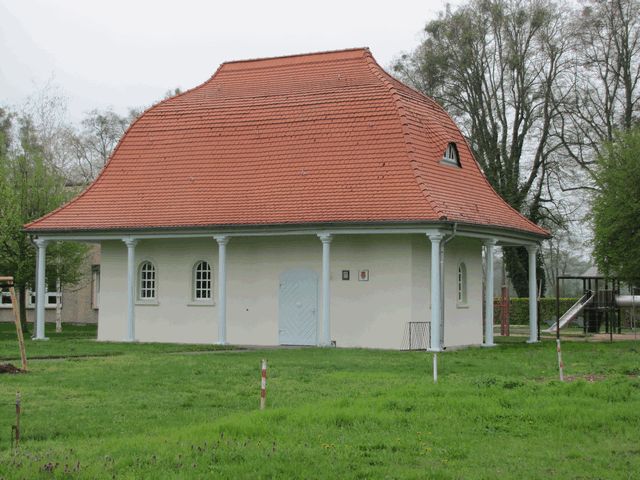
(9, 368)
(591, 378)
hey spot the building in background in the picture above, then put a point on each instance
(78, 303)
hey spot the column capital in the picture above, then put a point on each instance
(41, 242)
(130, 242)
(222, 239)
(490, 242)
(325, 237)
(532, 249)
(435, 237)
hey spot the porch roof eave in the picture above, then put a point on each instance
(503, 236)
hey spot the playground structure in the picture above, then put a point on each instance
(600, 305)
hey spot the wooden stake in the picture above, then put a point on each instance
(16, 427)
(8, 281)
(560, 364)
(263, 385)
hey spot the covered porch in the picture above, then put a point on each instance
(419, 295)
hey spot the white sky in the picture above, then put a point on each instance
(123, 53)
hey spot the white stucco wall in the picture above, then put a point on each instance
(463, 323)
(370, 313)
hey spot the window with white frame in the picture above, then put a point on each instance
(462, 284)
(202, 282)
(450, 155)
(147, 281)
(5, 300)
(50, 299)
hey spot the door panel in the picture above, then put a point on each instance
(298, 307)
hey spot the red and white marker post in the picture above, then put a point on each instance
(263, 385)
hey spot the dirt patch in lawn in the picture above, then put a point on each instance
(591, 378)
(9, 368)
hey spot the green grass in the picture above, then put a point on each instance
(79, 341)
(149, 412)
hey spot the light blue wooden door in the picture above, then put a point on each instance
(298, 307)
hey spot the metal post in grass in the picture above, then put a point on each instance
(263, 385)
(435, 367)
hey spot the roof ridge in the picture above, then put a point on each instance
(381, 74)
(293, 55)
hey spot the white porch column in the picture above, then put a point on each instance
(325, 336)
(222, 288)
(436, 306)
(41, 288)
(131, 288)
(533, 295)
(488, 294)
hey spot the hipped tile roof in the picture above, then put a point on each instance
(320, 138)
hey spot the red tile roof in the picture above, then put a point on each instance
(306, 139)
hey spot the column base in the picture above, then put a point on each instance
(222, 344)
(488, 345)
(434, 350)
(533, 341)
(35, 339)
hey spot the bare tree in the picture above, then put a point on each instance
(92, 145)
(604, 94)
(495, 66)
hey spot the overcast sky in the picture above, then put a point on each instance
(123, 53)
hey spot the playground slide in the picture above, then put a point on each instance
(573, 312)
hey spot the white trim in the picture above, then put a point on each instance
(507, 238)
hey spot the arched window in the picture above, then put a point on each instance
(146, 281)
(450, 155)
(201, 281)
(462, 284)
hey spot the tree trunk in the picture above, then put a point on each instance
(517, 262)
(22, 296)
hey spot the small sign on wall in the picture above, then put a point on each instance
(363, 275)
(346, 274)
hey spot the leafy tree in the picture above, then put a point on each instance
(616, 207)
(30, 186)
(494, 65)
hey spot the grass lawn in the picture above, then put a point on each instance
(176, 411)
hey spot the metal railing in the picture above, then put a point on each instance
(417, 336)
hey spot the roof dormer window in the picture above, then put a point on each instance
(450, 156)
